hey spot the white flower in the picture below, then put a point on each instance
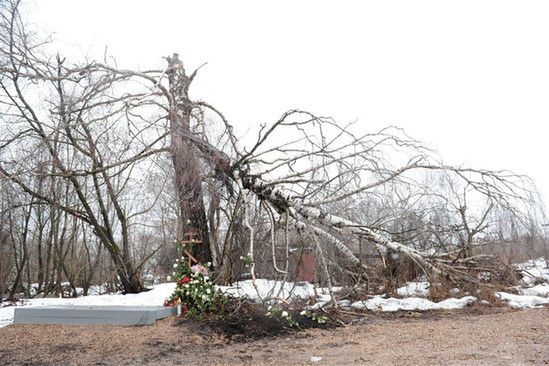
(269, 308)
(169, 278)
(208, 291)
(209, 264)
(175, 265)
(206, 278)
(177, 260)
(173, 273)
(241, 257)
(303, 312)
(284, 314)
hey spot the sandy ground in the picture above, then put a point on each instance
(474, 337)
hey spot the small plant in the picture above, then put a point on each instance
(247, 260)
(319, 318)
(277, 312)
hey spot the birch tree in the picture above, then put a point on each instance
(105, 128)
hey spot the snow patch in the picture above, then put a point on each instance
(420, 289)
(538, 290)
(378, 303)
(154, 297)
(534, 270)
(344, 303)
(522, 301)
(244, 289)
(268, 289)
(531, 295)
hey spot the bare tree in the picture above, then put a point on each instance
(87, 143)
(106, 130)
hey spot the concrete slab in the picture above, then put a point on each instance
(96, 314)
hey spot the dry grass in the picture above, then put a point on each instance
(475, 336)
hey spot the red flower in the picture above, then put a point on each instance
(185, 279)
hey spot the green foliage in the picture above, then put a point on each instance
(195, 290)
(247, 260)
(279, 313)
(319, 318)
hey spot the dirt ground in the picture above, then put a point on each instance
(477, 336)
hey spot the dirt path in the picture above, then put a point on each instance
(498, 337)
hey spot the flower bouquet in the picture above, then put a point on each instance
(194, 292)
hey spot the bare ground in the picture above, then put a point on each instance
(477, 336)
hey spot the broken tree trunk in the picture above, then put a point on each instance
(187, 167)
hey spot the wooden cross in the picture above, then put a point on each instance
(191, 237)
(190, 256)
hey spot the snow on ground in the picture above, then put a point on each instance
(534, 270)
(378, 303)
(530, 295)
(153, 297)
(522, 301)
(420, 289)
(538, 290)
(265, 289)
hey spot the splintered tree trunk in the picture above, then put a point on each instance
(188, 172)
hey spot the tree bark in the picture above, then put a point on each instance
(187, 167)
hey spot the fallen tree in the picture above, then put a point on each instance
(303, 197)
(103, 125)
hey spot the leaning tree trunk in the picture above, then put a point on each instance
(188, 174)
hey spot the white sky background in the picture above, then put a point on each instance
(470, 78)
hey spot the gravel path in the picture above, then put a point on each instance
(474, 337)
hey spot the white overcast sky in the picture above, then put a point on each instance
(470, 78)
